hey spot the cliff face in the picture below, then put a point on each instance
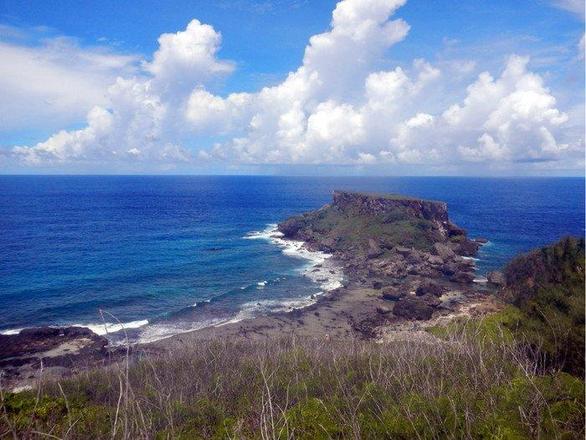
(376, 204)
(380, 204)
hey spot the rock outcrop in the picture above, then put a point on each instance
(496, 278)
(373, 204)
(413, 308)
(373, 224)
(391, 243)
(58, 350)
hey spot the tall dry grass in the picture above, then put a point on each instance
(459, 387)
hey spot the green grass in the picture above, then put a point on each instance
(352, 231)
(493, 328)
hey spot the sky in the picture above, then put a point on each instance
(355, 87)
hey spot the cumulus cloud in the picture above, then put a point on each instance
(516, 115)
(340, 106)
(142, 113)
(187, 58)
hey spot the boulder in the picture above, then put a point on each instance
(383, 310)
(462, 277)
(467, 248)
(443, 251)
(374, 250)
(449, 269)
(429, 288)
(291, 226)
(402, 250)
(396, 269)
(496, 278)
(414, 257)
(435, 260)
(413, 270)
(392, 294)
(377, 284)
(465, 265)
(413, 308)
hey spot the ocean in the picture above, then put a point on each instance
(161, 255)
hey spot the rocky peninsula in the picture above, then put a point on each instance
(406, 248)
(406, 266)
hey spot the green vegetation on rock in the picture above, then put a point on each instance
(390, 219)
(547, 285)
(545, 293)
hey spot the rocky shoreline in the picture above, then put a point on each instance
(405, 265)
(51, 352)
(413, 279)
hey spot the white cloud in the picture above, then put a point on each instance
(516, 117)
(187, 59)
(141, 113)
(574, 6)
(338, 107)
(420, 120)
(55, 83)
(360, 32)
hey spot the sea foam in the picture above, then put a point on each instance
(319, 267)
(105, 328)
(102, 328)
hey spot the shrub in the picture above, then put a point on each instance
(464, 387)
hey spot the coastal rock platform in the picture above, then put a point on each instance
(50, 352)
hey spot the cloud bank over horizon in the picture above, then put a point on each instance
(342, 106)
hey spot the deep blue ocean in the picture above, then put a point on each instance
(176, 251)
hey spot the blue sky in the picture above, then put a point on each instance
(90, 44)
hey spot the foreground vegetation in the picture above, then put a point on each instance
(544, 292)
(547, 286)
(311, 390)
(517, 374)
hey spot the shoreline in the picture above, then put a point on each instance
(321, 268)
(371, 290)
(353, 310)
(318, 268)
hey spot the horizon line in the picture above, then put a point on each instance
(528, 176)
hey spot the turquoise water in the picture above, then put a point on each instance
(182, 252)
